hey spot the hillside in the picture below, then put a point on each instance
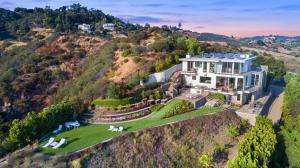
(180, 144)
(219, 38)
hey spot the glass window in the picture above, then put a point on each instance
(236, 68)
(205, 79)
(229, 65)
(256, 80)
(238, 97)
(204, 66)
(252, 79)
(198, 64)
(212, 67)
(194, 77)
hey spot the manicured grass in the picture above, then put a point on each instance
(88, 135)
(113, 102)
(292, 144)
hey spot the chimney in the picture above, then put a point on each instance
(188, 56)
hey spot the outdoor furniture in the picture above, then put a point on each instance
(50, 141)
(58, 129)
(61, 142)
(72, 124)
(115, 129)
(111, 128)
(121, 129)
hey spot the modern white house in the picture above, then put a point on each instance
(109, 26)
(230, 74)
(85, 27)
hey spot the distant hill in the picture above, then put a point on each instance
(218, 37)
(278, 38)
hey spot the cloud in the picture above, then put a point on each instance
(184, 6)
(7, 5)
(141, 19)
(199, 27)
(292, 7)
(153, 5)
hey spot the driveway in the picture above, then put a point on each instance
(275, 110)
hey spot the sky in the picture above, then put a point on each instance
(238, 18)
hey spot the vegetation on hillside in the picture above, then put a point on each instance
(18, 23)
(276, 68)
(257, 146)
(35, 125)
(288, 150)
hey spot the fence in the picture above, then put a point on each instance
(164, 75)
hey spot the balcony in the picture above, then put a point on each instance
(191, 71)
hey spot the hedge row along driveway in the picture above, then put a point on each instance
(89, 135)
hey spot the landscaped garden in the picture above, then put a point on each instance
(88, 135)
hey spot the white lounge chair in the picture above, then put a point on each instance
(111, 128)
(61, 142)
(115, 129)
(51, 140)
(58, 129)
(121, 129)
(67, 124)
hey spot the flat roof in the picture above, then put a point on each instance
(220, 56)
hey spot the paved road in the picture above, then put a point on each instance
(275, 110)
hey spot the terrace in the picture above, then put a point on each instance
(92, 134)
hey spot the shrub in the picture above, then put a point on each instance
(206, 160)
(219, 149)
(113, 91)
(35, 125)
(219, 96)
(158, 66)
(136, 80)
(127, 52)
(180, 108)
(198, 130)
(113, 102)
(233, 131)
(156, 107)
(152, 86)
(257, 146)
(143, 94)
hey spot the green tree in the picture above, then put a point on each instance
(113, 91)
(193, 46)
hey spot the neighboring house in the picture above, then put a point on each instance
(230, 74)
(109, 26)
(85, 27)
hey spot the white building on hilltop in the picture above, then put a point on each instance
(85, 27)
(109, 26)
(230, 74)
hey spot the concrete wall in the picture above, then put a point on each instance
(164, 75)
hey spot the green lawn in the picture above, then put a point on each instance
(88, 135)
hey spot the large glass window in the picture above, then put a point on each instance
(190, 66)
(204, 66)
(236, 68)
(212, 67)
(205, 79)
(227, 67)
(240, 84)
(198, 64)
(252, 79)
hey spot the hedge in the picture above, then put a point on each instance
(113, 102)
(180, 108)
(36, 125)
(257, 146)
